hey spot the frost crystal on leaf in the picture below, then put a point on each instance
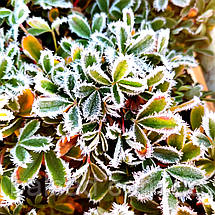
(118, 209)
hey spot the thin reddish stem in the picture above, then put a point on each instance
(23, 28)
(2, 155)
(123, 124)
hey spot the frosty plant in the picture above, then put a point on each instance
(95, 117)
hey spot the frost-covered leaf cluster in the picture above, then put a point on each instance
(99, 114)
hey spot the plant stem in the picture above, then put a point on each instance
(2, 155)
(100, 126)
(54, 39)
(23, 28)
(208, 100)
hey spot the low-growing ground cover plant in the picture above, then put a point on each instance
(98, 115)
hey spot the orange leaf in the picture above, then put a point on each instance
(31, 47)
(26, 100)
(53, 14)
(65, 144)
(192, 12)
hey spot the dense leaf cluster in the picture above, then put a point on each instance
(100, 116)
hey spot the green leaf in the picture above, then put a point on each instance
(160, 124)
(206, 165)
(200, 139)
(99, 190)
(99, 22)
(5, 65)
(72, 120)
(17, 210)
(48, 86)
(190, 151)
(56, 169)
(8, 130)
(46, 60)
(92, 105)
(158, 23)
(70, 81)
(128, 17)
(149, 182)
(212, 128)
(39, 25)
(102, 40)
(90, 126)
(120, 69)
(208, 123)
(25, 175)
(36, 143)
(98, 173)
(142, 44)
(38, 198)
(163, 40)
(121, 4)
(36, 32)
(86, 90)
(170, 22)
(74, 152)
(156, 104)
(84, 182)
(98, 75)
(90, 59)
(8, 188)
(28, 42)
(132, 84)
(79, 26)
(20, 155)
(149, 207)
(187, 174)
(4, 12)
(177, 140)
(65, 208)
(29, 129)
(140, 135)
(21, 12)
(50, 107)
(122, 36)
(117, 95)
(120, 177)
(103, 5)
(196, 116)
(166, 154)
(156, 78)
(104, 142)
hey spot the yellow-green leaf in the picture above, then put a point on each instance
(31, 47)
